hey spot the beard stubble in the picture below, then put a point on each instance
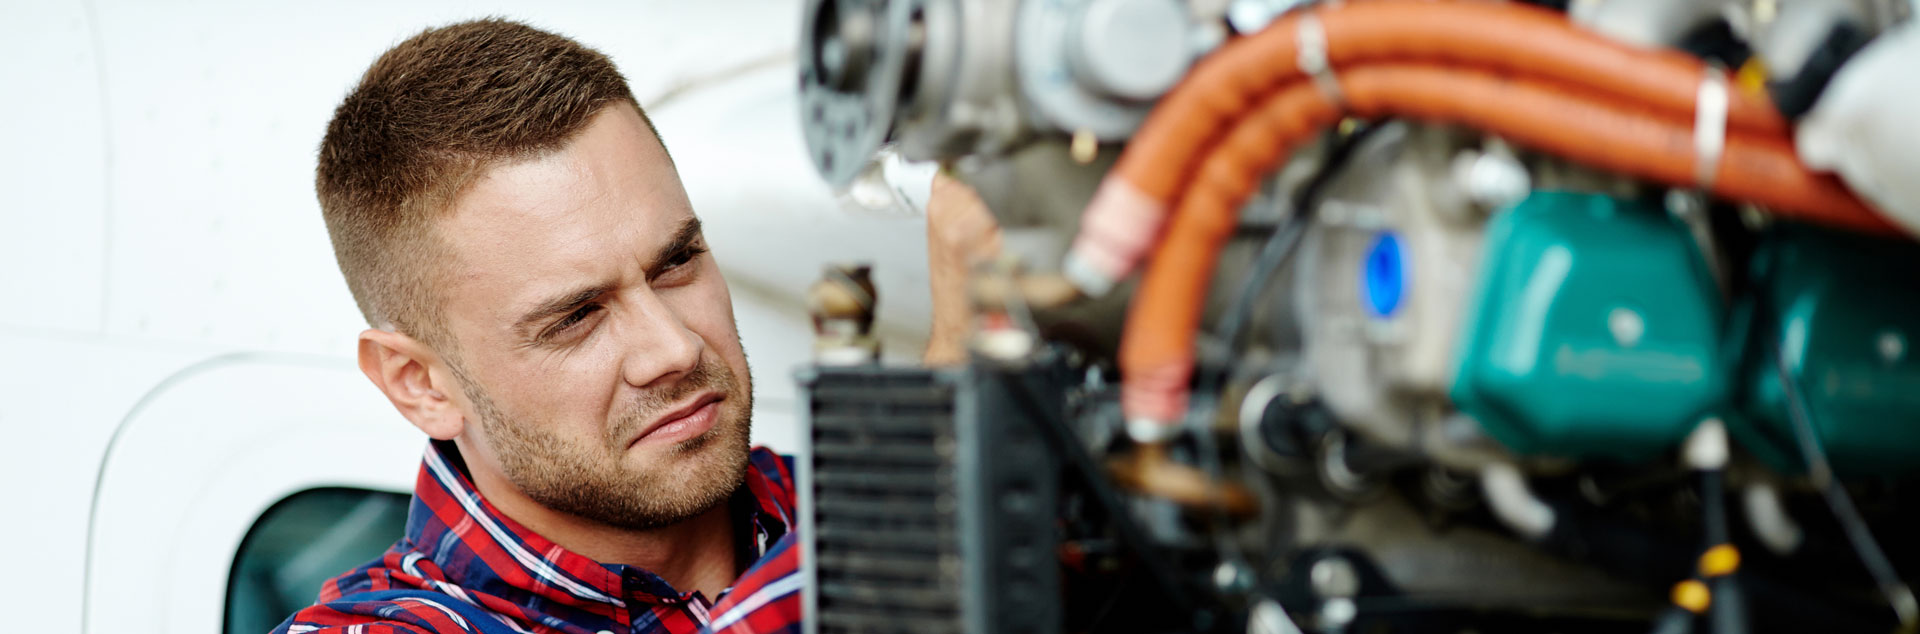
(594, 482)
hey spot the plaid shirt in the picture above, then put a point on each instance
(464, 567)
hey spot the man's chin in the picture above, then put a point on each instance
(658, 485)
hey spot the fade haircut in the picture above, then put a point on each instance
(428, 118)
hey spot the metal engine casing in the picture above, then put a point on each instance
(1386, 375)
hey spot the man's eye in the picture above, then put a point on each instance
(681, 259)
(573, 318)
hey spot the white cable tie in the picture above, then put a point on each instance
(1709, 126)
(1312, 41)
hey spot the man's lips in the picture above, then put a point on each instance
(684, 422)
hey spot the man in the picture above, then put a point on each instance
(544, 308)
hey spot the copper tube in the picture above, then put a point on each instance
(1149, 471)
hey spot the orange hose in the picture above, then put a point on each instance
(1157, 348)
(1504, 38)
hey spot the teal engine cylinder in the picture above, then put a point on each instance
(1837, 316)
(1595, 330)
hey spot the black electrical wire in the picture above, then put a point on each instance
(1713, 490)
(1728, 612)
(1286, 240)
(1274, 254)
(1899, 596)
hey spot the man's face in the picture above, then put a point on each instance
(595, 337)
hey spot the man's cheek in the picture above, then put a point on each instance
(579, 390)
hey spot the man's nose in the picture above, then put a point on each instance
(661, 347)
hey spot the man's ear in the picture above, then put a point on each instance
(412, 376)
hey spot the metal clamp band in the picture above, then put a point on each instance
(1312, 59)
(1709, 126)
(1151, 432)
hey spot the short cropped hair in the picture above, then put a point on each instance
(428, 118)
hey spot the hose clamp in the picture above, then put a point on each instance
(1311, 38)
(1147, 431)
(1710, 126)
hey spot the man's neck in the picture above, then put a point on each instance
(695, 554)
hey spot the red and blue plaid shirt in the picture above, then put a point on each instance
(464, 567)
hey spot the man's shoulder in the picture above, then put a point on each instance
(387, 596)
(392, 612)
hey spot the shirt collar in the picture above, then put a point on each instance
(481, 549)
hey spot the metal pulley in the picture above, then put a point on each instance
(854, 57)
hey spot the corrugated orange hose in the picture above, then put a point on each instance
(1157, 347)
(1507, 39)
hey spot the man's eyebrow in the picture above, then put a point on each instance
(569, 301)
(682, 241)
(559, 305)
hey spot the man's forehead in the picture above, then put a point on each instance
(613, 162)
(607, 199)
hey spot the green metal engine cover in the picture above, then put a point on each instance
(1844, 310)
(1595, 330)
